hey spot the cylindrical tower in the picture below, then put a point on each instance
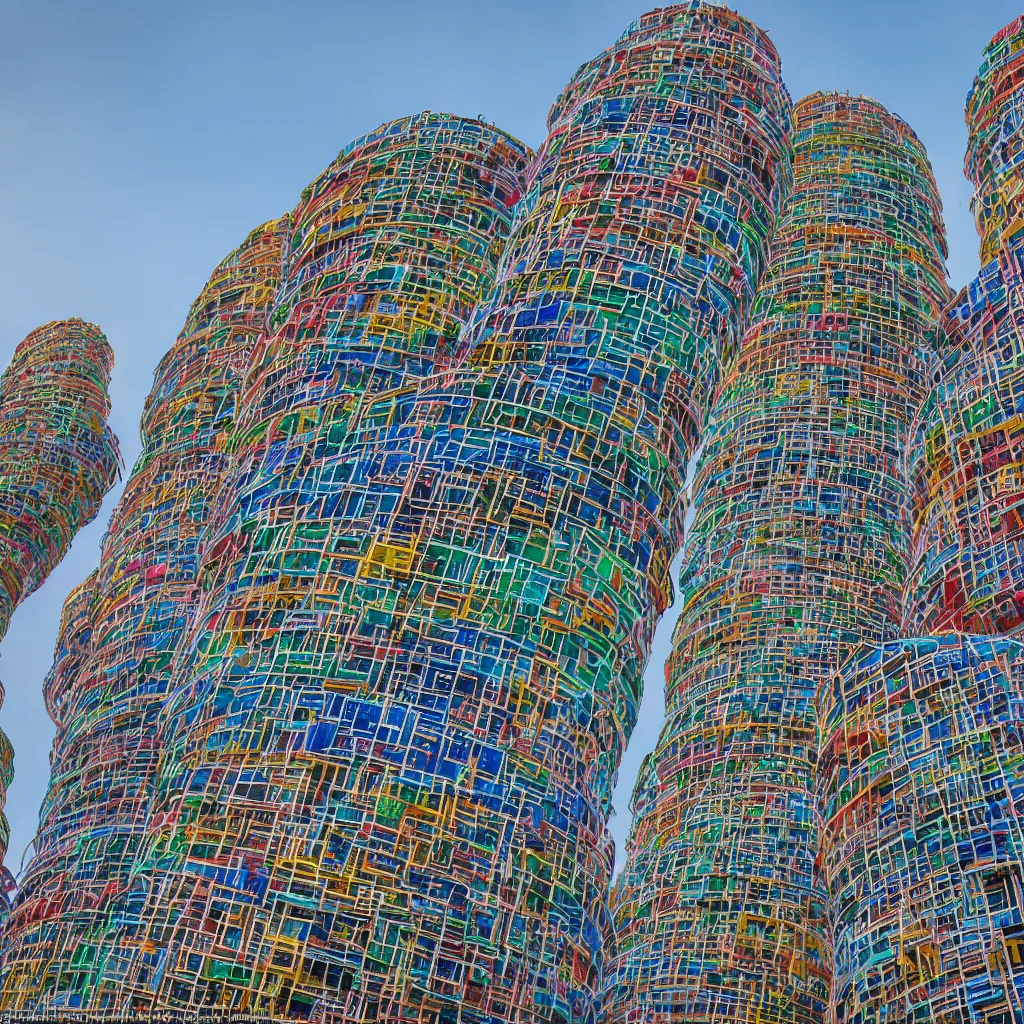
(418, 202)
(58, 459)
(799, 549)
(921, 759)
(118, 633)
(394, 734)
(421, 201)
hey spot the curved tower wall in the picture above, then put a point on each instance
(969, 572)
(119, 630)
(73, 635)
(361, 268)
(387, 214)
(921, 766)
(58, 459)
(995, 150)
(394, 731)
(798, 551)
(922, 777)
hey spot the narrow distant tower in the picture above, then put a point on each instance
(394, 733)
(799, 550)
(922, 768)
(58, 459)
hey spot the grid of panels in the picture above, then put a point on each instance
(119, 629)
(374, 273)
(58, 459)
(426, 563)
(921, 772)
(922, 783)
(799, 549)
(392, 734)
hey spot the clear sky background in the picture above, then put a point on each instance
(141, 140)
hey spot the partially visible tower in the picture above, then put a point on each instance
(798, 551)
(922, 768)
(970, 552)
(58, 459)
(390, 749)
(119, 630)
(995, 149)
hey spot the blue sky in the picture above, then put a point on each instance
(141, 140)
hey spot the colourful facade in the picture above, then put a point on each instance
(340, 713)
(970, 568)
(922, 779)
(799, 549)
(58, 459)
(388, 754)
(120, 628)
(378, 267)
(921, 772)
